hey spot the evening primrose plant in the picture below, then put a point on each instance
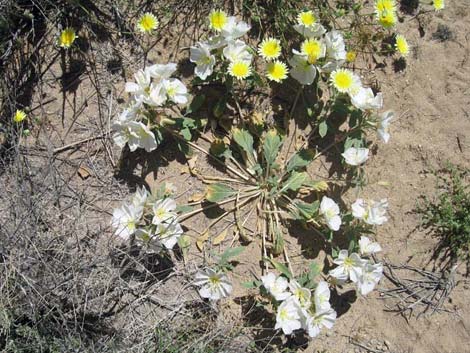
(264, 184)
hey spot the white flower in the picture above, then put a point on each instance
(214, 285)
(364, 99)
(140, 198)
(371, 275)
(315, 30)
(141, 88)
(277, 287)
(121, 132)
(371, 212)
(237, 51)
(302, 295)
(125, 220)
(160, 72)
(176, 91)
(322, 296)
(287, 317)
(335, 48)
(382, 129)
(330, 211)
(201, 56)
(302, 70)
(323, 318)
(233, 29)
(140, 136)
(368, 247)
(157, 96)
(168, 233)
(150, 241)
(163, 211)
(348, 265)
(356, 156)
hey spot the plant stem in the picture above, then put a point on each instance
(185, 216)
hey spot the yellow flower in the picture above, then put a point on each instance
(19, 116)
(343, 80)
(239, 69)
(387, 18)
(382, 5)
(313, 48)
(277, 71)
(306, 18)
(351, 56)
(147, 23)
(67, 37)
(401, 45)
(438, 4)
(270, 48)
(217, 20)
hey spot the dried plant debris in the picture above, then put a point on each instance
(417, 289)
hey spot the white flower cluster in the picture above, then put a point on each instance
(214, 284)
(361, 271)
(158, 232)
(153, 87)
(298, 310)
(317, 45)
(234, 50)
(371, 212)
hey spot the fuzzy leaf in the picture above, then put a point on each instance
(281, 268)
(323, 128)
(272, 143)
(295, 181)
(299, 160)
(196, 103)
(231, 252)
(218, 192)
(244, 140)
(306, 210)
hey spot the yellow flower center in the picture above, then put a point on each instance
(19, 116)
(312, 48)
(402, 45)
(283, 314)
(277, 71)
(67, 37)
(351, 56)
(218, 20)
(438, 4)
(382, 5)
(239, 69)
(147, 23)
(307, 18)
(387, 18)
(342, 80)
(214, 280)
(348, 262)
(270, 49)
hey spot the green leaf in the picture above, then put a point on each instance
(271, 146)
(280, 267)
(243, 139)
(231, 252)
(305, 210)
(196, 103)
(183, 209)
(323, 128)
(186, 134)
(313, 270)
(295, 181)
(219, 107)
(300, 160)
(218, 192)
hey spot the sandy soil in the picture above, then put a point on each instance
(432, 99)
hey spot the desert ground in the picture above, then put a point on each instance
(68, 284)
